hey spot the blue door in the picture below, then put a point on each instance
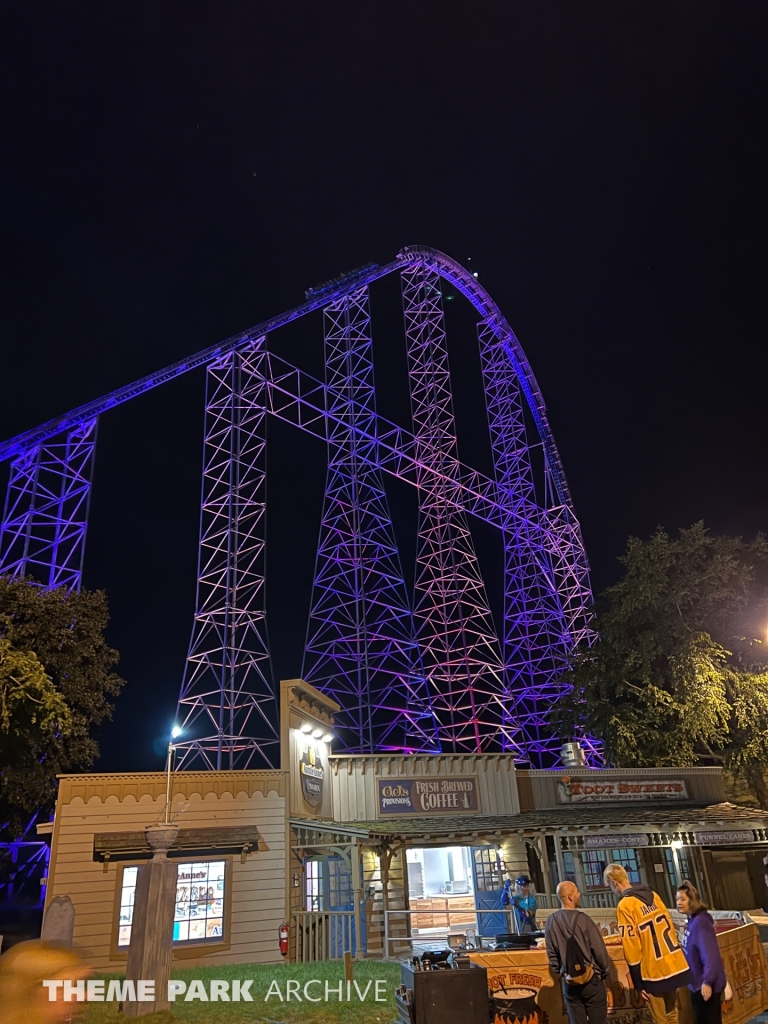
(332, 891)
(486, 874)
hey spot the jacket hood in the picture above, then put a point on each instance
(642, 892)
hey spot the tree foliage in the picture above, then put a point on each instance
(679, 675)
(56, 685)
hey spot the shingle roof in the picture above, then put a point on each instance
(681, 817)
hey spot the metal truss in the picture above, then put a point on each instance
(361, 647)
(23, 867)
(42, 534)
(456, 631)
(536, 640)
(227, 698)
(481, 699)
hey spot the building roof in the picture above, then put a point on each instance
(627, 817)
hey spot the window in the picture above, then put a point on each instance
(199, 912)
(569, 866)
(594, 866)
(487, 869)
(339, 885)
(313, 873)
(596, 861)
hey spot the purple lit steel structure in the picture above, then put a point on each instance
(458, 638)
(227, 698)
(361, 647)
(45, 520)
(456, 687)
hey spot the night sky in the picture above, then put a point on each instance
(173, 173)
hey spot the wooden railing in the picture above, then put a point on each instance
(324, 935)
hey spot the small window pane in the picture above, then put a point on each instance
(199, 912)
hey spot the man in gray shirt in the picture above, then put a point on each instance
(577, 954)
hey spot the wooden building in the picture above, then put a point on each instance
(373, 853)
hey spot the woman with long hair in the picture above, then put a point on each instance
(699, 942)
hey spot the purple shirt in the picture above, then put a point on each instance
(703, 953)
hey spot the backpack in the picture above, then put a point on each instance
(577, 970)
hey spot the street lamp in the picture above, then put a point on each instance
(175, 732)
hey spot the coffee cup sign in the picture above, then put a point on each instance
(427, 796)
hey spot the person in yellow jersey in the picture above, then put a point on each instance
(657, 964)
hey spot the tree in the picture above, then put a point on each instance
(679, 675)
(56, 685)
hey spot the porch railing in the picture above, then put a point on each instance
(323, 935)
(591, 900)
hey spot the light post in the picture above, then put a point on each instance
(175, 732)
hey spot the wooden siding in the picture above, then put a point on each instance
(96, 804)
(353, 780)
(538, 789)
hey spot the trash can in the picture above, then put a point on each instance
(443, 996)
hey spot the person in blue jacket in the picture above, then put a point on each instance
(524, 904)
(699, 943)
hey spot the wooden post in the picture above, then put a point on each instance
(357, 896)
(151, 949)
(349, 968)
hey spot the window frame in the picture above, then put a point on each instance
(185, 950)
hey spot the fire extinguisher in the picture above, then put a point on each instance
(283, 933)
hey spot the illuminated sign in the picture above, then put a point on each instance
(724, 838)
(427, 796)
(590, 791)
(615, 842)
(312, 776)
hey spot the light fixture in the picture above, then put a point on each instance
(316, 734)
(328, 737)
(176, 731)
(676, 844)
(305, 727)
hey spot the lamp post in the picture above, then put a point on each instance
(175, 732)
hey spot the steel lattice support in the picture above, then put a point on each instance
(536, 639)
(227, 698)
(361, 647)
(456, 631)
(46, 509)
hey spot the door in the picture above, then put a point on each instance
(329, 888)
(486, 874)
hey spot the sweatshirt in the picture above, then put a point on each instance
(656, 962)
(557, 930)
(703, 952)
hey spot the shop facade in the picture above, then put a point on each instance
(373, 853)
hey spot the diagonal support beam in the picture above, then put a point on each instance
(45, 521)
(361, 646)
(227, 704)
(456, 631)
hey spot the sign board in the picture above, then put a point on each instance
(312, 777)
(745, 835)
(427, 796)
(591, 791)
(524, 976)
(615, 841)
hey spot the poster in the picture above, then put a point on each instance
(525, 990)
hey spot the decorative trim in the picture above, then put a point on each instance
(185, 784)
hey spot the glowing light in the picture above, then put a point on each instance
(306, 727)
(676, 844)
(328, 737)
(316, 734)
(176, 731)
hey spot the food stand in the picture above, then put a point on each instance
(524, 990)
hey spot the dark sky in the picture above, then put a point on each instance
(173, 173)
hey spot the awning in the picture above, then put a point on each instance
(191, 842)
(450, 829)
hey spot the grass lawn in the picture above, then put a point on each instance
(272, 1010)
